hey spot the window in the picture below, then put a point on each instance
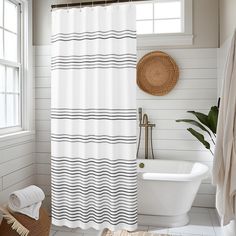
(164, 22)
(161, 16)
(10, 66)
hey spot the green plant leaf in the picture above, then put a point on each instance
(200, 137)
(195, 123)
(213, 118)
(203, 118)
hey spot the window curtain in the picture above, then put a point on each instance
(93, 117)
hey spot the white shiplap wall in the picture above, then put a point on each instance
(196, 90)
(17, 157)
(17, 165)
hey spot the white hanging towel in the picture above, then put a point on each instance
(27, 201)
(93, 117)
(224, 167)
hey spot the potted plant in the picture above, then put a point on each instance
(206, 123)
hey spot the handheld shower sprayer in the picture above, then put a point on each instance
(144, 123)
(140, 114)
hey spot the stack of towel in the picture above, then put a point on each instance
(27, 201)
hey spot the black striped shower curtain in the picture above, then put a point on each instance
(93, 117)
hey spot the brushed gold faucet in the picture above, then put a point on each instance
(144, 123)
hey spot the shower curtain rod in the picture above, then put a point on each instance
(92, 3)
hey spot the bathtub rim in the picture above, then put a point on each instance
(197, 175)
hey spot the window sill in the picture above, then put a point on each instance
(151, 40)
(17, 137)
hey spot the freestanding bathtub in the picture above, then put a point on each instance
(166, 190)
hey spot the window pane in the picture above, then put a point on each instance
(2, 78)
(1, 43)
(16, 103)
(10, 41)
(144, 11)
(1, 12)
(2, 110)
(10, 16)
(167, 10)
(10, 79)
(16, 81)
(10, 110)
(144, 27)
(167, 26)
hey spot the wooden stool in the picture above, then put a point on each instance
(40, 227)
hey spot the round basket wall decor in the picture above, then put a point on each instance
(157, 73)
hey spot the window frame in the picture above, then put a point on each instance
(25, 72)
(15, 65)
(171, 39)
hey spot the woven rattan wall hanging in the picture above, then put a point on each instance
(157, 73)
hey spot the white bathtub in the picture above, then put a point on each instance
(166, 190)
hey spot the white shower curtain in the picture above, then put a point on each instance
(93, 117)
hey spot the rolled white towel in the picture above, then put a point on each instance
(27, 201)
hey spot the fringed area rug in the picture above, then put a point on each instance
(107, 232)
(11, 220)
